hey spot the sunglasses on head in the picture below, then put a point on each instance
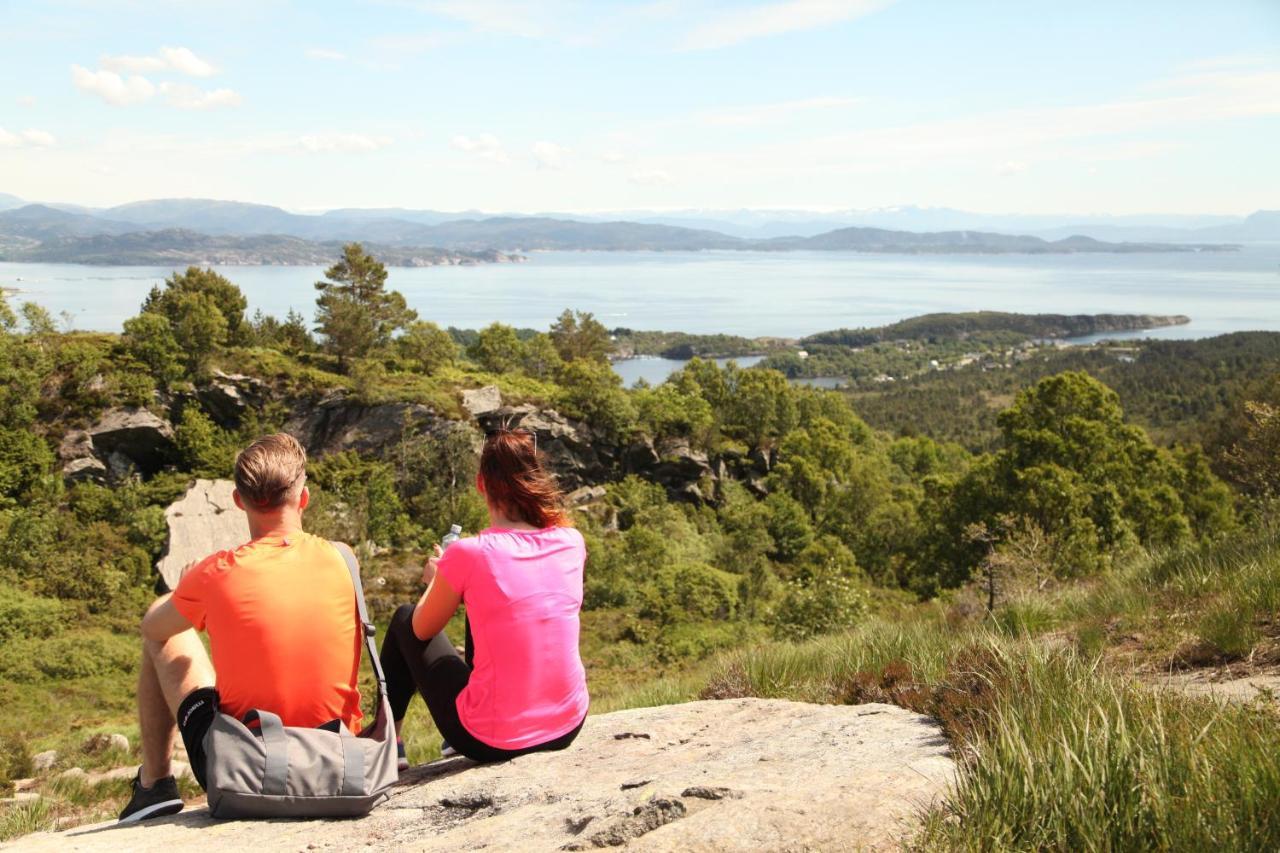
(510, 430)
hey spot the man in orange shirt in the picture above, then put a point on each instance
(281, 616)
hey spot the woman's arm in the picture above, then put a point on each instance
(435, 609)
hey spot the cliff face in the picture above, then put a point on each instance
(740, 774)
(128, 441)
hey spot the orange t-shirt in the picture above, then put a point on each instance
(281, 616)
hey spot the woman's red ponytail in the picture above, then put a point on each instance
(516, 483)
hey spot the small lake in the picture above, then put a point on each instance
(655, 370)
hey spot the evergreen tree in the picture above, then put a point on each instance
(579, 335)
(355, 313)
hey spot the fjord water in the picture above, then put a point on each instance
(787, 294)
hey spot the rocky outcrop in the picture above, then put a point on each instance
(581, 457)
(227, 396)
(742, 774)
(203, 521)
(482, 401)
(337, 423)
(123, 442)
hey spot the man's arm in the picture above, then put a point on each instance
(163, 620)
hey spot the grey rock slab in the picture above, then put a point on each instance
(819, 789)
(481, 401)
(202, 521)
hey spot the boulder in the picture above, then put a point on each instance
(87, 469)
(482, 401)
(585, 495)
(129, 438)
(337, 423)
(226, 396)
(202, 521)
(740, 774)
(100, 743)
(43, 761)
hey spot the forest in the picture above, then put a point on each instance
(762, 513)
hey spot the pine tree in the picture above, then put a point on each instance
(355, 312)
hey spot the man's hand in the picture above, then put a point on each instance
(432, 565)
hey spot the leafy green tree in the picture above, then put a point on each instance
(25, 460)
(148, 339)
(541, 360)
(201, 328)
(1073, 470)
(1254, 459)
(205, 450)
(427, 346)
(226, 297)
(668, 410)
(291, 336)
(497, 349)
(789, 526)
(761, 406)
(591, 391)
(355, 313)
(579, 335)
(38, 320)
(825, 595)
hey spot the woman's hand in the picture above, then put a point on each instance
(432, 565)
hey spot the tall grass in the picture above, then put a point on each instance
(1073, 758)
(1056, 751)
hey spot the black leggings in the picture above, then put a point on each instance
(436, 670)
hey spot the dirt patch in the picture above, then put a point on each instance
(1236, 683)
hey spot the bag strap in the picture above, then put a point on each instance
(367, 628)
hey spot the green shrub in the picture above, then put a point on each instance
(76, 654)
(26, 615)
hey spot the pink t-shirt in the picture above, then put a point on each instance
(523, 591)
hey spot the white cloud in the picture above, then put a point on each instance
(111, 87)
(177, 59)
(614, 157)
(1011, 167)
(550, 156)
(26, 138)
(405, 44)
(186, 97)
(767, 113)
(651, 178)
(485, 146)
(511, 17)
(739, 25)
(326, 54)
(321, 143)
(26, 100)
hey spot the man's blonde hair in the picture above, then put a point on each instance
(270, 472)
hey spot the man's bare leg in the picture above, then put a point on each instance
(170, 671)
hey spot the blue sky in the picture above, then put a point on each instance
(1018, 106)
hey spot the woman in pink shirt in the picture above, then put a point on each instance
(521, 580)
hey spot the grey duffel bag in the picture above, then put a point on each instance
(285, 771)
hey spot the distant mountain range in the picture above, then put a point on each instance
(209, 231)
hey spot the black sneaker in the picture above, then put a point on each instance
(446, 751)
(402, 759)
(159, 800)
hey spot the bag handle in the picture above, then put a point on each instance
(367, 628)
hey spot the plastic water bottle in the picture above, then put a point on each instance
(454, 534)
